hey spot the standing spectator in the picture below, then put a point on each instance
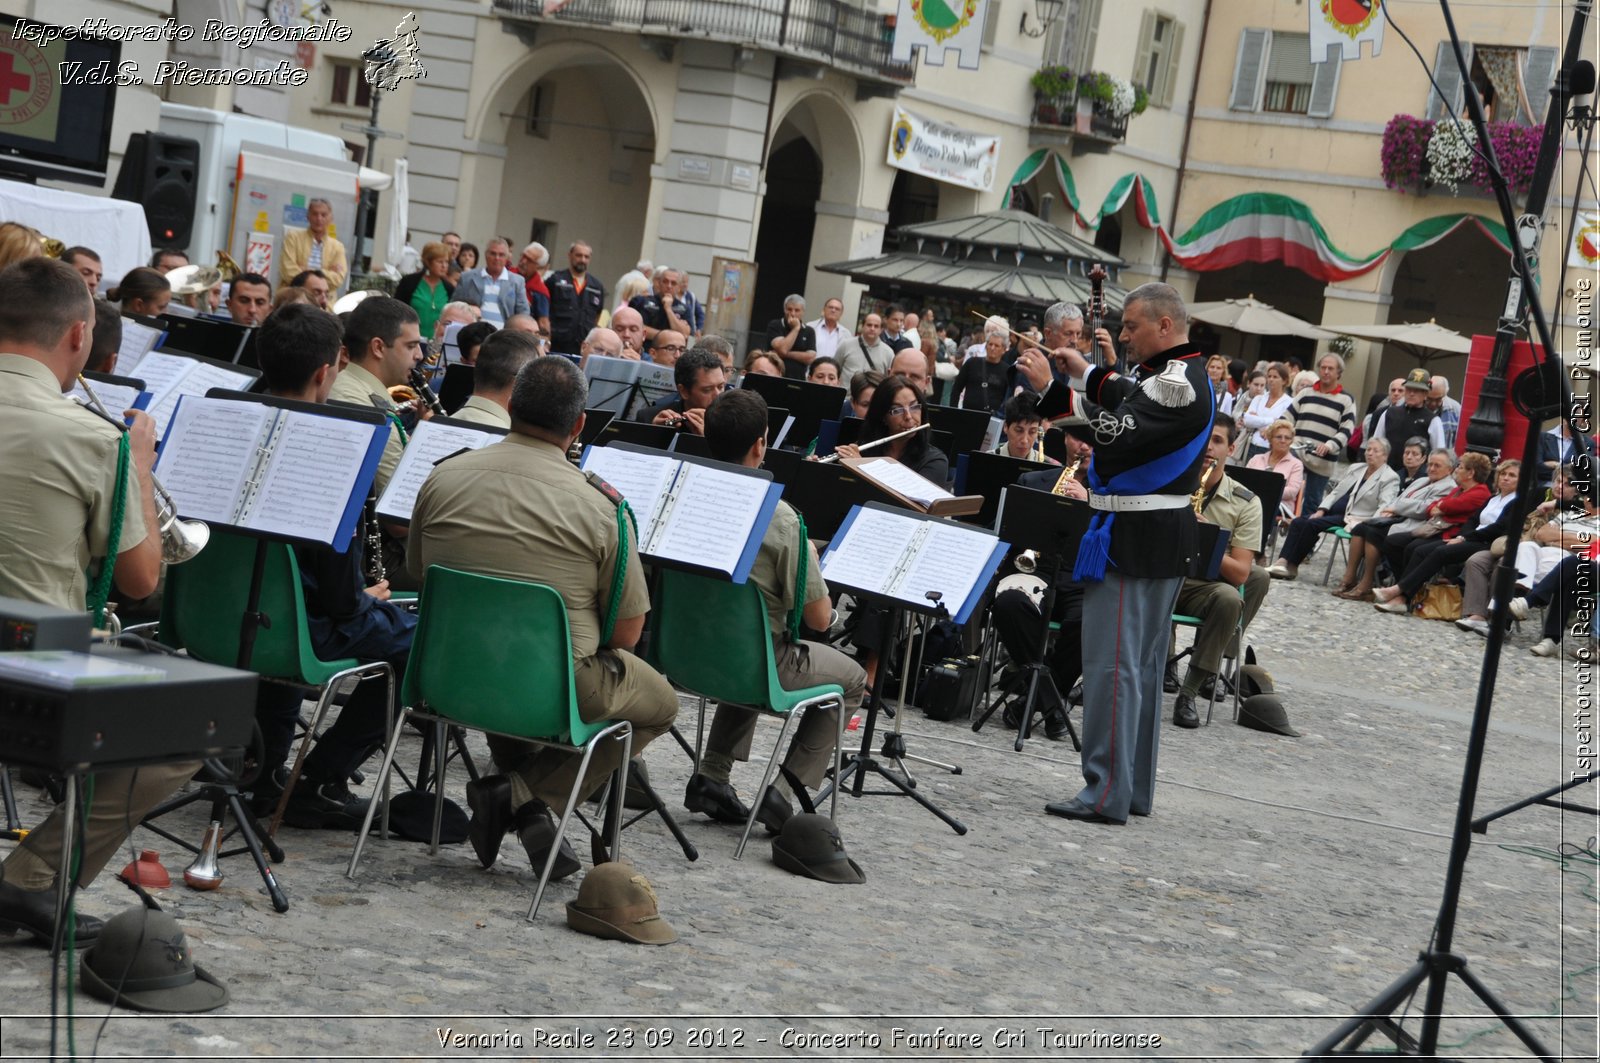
(1411, 418)
(314, 247)
(453, 242)
(791, 338)
(697, 309)
(827, 330)
(983, 382)
(1448, 409)
(315, 284)
(494, 289)
(894, 325)
(661, 311)
(427, 291)
(576, 300)
(864, 351)
(535, 259)
(1266, 408)
(635, 282)
(466, 257)
(1323, 416)
(1217, 370)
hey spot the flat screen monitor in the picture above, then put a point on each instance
(49, 128)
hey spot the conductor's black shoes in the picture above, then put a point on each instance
(1183, 713)
(1072, 808)
(719, 800)
(490, 801)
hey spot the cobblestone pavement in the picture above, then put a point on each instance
(1280, 884)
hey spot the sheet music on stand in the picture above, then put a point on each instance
(272, 467)
(626, 385)
(116, 393)
(170, 377)
(431, 442)
(138, 340)
(698, 514)
(893, 554)
(916, 491)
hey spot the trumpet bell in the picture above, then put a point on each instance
(182, 539)
(1027, 562)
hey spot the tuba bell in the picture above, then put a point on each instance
(226, 266)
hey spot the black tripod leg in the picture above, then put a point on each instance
(1374, 1016)
(1025, 717)
(1481, 824)
(1513, 1023)
(247, 827)
(636, 777)
(900, 784)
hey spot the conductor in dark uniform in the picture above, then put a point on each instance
(1149, 430)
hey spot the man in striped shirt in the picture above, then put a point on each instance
(1324, 416)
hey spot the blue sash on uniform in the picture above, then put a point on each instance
(1094, 551)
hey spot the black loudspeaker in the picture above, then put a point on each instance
(162, 173)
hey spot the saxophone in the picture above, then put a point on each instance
(1198, 499)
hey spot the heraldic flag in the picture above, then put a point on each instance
(938, 26)
(1345, 23)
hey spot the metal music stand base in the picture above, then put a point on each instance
(225, 797)
(857, 765)
(1543, 797)
(1041, 690)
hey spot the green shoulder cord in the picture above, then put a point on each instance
(619, 574)
(399, 426)
(800, 581)
(119, 503)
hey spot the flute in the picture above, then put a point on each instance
(879, 442)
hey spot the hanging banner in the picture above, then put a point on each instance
(943, 152)
(1584, 251)
(938, 26)
(1345, 23)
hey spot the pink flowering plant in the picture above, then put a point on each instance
(1404, 155)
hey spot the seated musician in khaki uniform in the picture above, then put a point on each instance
(384, 344)
(60, 521)
(519, 510)
(500, 359)
(1217, 602)
(736, 431)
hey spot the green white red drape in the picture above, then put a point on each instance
(1254, 227)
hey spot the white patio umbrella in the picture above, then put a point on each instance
(1422, 342)
(1255, 317)
(399, 213)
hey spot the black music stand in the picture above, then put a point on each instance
(457, 386)
(966, 428)
(978, 473)
(1052, 525)
(809, 403)
(223, 788)
(825, 493)
(621, 384)
(223, 340)
(653, 436)
(901, 600)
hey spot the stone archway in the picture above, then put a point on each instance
(578, 127)
(1459, 283)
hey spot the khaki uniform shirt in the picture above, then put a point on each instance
(776, 565)
(57, 484)
(359, 387)
(519, 510)
(1235, 509)
(482, 411)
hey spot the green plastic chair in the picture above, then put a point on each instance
(711, 637)
(1231, 678)
(495, 655)
(203, 607)
(1341, 541)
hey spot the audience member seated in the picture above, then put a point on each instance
(1446, 517)
(1569, 586)
(1553, 530)
(1281, 460)
(1414, 461)
(1407, 513)
(1359, 494)
(1430, 557)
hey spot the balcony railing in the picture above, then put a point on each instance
(1055, 111)
(831, 32)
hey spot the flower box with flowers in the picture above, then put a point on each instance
(1418, 153)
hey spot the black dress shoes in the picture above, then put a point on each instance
(1072, 808)
(1056, 727)
(490, 801)
(35, 912)
(719, 800)
(1183, 713)
(536, 829)
(774, 811)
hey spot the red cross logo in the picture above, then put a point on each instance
(12, 79)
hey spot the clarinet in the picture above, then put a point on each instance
(419, 384)
(372, 564)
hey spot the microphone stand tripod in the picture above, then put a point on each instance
(1543, 393)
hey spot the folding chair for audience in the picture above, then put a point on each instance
(1341, 541)
(713, 639)
(511, 677)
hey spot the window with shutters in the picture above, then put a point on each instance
(350, 88)
(1273, 73)
(1514, 83)
(1155, 63)
(1070, 40)
(1288, 88)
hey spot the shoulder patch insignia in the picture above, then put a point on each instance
(612, 494)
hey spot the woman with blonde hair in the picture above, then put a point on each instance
(18, 242)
